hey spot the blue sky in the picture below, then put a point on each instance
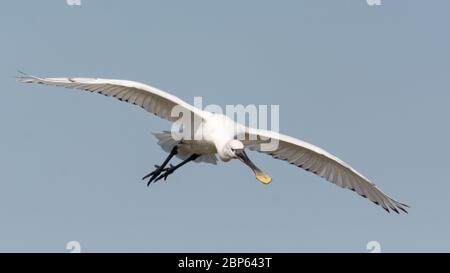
(367, 83)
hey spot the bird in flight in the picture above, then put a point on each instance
(217, 135)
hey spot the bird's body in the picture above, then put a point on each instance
(217, 130)
(216, 135)
(208, 140)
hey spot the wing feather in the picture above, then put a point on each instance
(151, 99)
(318, 161)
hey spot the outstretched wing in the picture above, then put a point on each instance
(319, 162)
(151, 99)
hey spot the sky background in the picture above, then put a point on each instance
(367, 83)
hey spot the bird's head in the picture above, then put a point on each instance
(235, 149)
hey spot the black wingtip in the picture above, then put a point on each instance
(404, 210)
(22, 75)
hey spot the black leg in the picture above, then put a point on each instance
(160, 169)
(171, 169)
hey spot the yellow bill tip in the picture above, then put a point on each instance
(263, 178)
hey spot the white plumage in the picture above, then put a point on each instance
(218, 136)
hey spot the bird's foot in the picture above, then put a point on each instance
(166, 173)
(153, 175)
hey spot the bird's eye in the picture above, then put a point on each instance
(233, 150)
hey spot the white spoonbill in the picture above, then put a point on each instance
(223, 137)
